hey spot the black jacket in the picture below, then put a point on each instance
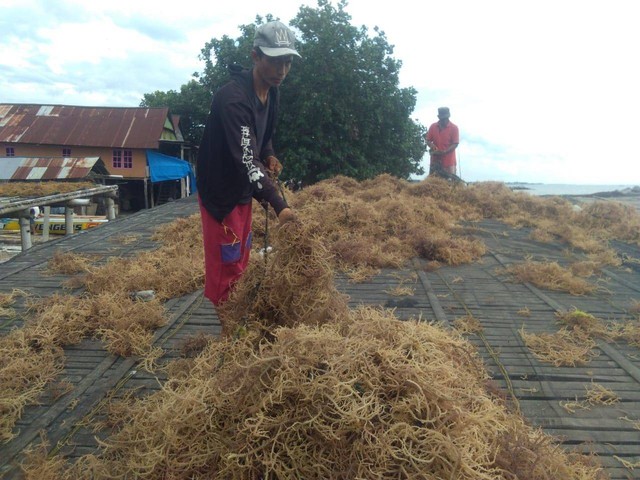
(230, 168)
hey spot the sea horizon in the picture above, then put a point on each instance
(536, 188)
(542, 188)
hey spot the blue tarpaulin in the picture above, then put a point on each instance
(164, 167)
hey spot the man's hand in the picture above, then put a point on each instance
(273, 165)
(286, 215)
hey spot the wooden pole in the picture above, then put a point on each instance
(68, 220)
(146, 194)
(111, 210)
(25, 232)
(45, 222)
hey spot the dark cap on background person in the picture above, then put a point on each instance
(275, 39)
(443, 112)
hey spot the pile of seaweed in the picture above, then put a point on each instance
(385, 221)
(364, 397)
(299, 385)
(295, 285)
(303, 387)
(41, 189)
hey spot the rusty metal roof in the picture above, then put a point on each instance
(50, 168)
(84, 126)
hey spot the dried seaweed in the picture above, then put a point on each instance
(584, 325)
(294, 286)
(69, 263)
(31, 357)
(561, 348)
(300, 387)
(365, 396)
(550, 275)
(40, 189)
(467, 324)
(596, 395)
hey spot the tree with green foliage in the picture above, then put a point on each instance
(342, 110)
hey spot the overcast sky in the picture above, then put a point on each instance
(542, 91)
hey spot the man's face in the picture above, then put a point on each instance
(272, 70)
(443, 120)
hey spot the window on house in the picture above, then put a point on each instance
(123, 159)
(66, 152)
(127, 161)
(10, 152)
(117, 159)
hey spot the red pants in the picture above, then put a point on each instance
(226, 250)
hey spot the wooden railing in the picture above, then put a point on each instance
(22, 206)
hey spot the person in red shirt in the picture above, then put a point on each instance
(442, 139)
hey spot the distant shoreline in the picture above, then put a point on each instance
(627, 192)
(544, 189)
(582, 194)
(629, 197)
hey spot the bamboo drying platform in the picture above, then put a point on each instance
(443, 295)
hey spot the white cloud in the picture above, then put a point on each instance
(542, 92)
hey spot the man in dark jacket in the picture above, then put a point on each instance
(236, 157)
